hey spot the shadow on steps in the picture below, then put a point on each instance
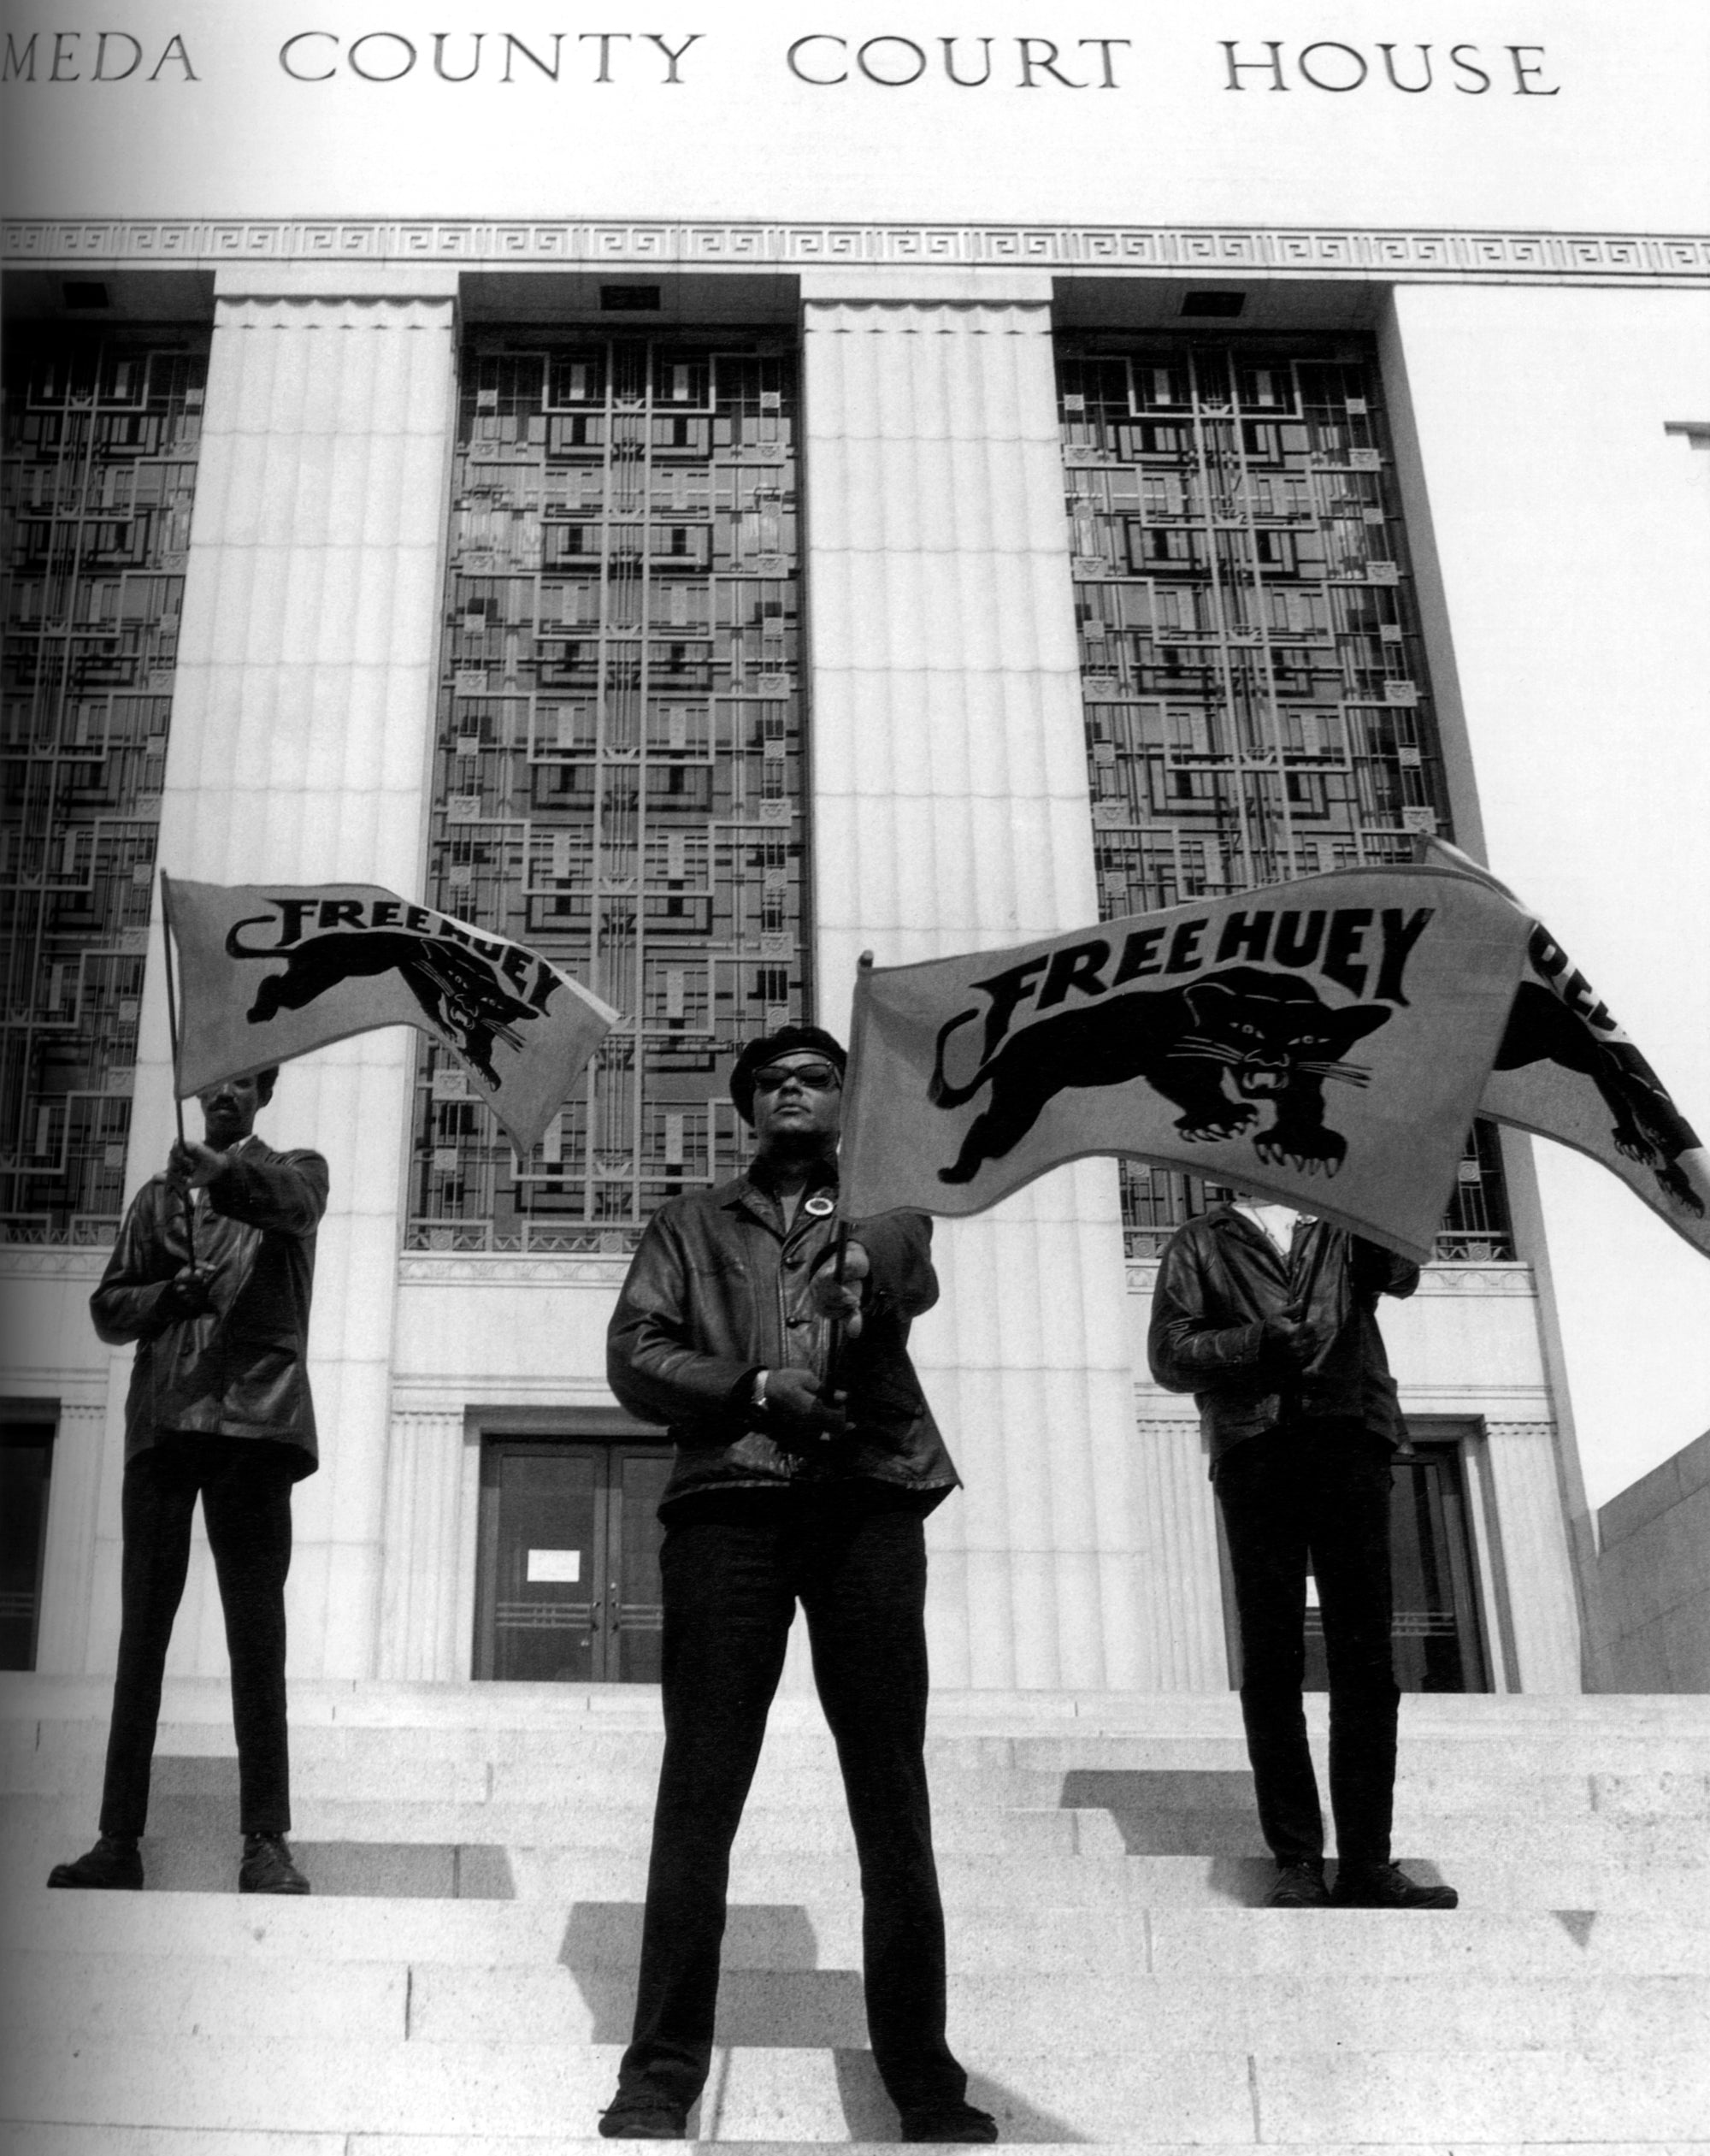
(1208, 1812)
(193, 1847)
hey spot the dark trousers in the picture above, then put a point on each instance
(1317, 1493)
(732, 1572)
(245, 1491)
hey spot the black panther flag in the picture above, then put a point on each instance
(268, 972)
(1325, 1042)
(1564, 1070)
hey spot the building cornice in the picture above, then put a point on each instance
(53, 1260)
(1478, 1276)
(509, 1271)
(1429, 255)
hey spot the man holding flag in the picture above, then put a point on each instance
(806, 1463)
(211, 1277)
(1323, 1040)
(213, 1271)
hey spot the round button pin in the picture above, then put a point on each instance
(819, 1206)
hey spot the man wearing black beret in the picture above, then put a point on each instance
(793, 1482)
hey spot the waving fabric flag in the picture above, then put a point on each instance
(1325, 1042)
(1564, 1070)
(268, 971)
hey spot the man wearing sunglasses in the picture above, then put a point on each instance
(795, 1481)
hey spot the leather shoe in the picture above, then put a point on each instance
(115, 1861)
(956, 2121)
(642, 2114)
(1299, 1884)
(1386, 1887)
(268, 1868)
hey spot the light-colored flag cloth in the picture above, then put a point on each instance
(1322, 1042)
(271, 970)
(1564, 1069)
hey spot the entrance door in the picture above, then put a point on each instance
(567, 1590)
(1437, 1640)
(25, 1463)
(1437, 1636)
(1439, 1644)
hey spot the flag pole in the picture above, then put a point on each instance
(171, 1030)
(834, 1349)
(171, 995)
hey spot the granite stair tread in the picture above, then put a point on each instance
(460, 1982)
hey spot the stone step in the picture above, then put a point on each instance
(206, 1863)
(464, 1707)
(68, 1760)
(149, 2140)
(1497, 1748)
(824, 1933)
(1594, 1840)
(483, 2090)
(468, 1715)
(156, 1996)
(460, 1980)
(1162, 1883)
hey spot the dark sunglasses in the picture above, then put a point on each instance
(817, 1078)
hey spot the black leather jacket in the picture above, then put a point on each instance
(1221, 1276)
(238, 1370)
(718, 1291)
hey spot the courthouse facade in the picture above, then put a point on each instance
(703, 599)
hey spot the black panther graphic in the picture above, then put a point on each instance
(1649, 1128)
(1268, 1037)
(460, 993)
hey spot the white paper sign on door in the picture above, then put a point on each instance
(554, 1564)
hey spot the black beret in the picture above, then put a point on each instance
(788, 1040)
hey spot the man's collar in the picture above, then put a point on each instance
(751, 1194)
(1279, 1232)
(1230, 1215)
(821, 1174)
(250, 1137)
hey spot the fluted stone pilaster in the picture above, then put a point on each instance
(69, 1556)
(951, 812)
(1176, 1581)
(428, 1537)
(299, 752)
(1542, 1608)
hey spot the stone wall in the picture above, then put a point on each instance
(1653, 1577)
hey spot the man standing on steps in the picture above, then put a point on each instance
(211, 1277)
(1269, 1318)
(786, 1490)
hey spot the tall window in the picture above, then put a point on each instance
(618, 762)
(1254, 684)
(101, 439)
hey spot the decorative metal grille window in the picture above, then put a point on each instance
(618, 764)
(1254, 684)
(101, 442)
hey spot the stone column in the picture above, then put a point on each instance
(1177, 1579)
(951, 812)
(425, 1529)
(300, 753)
(1538, 1558)
(68, 1559)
